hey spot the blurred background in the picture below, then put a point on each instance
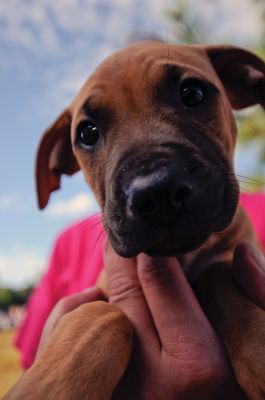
(47, 49)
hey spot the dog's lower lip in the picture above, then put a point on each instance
(166, 247)
(131, 246)
(182, 245)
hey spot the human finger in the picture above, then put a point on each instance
(173, 305)
(124, 290)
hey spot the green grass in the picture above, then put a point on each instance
(10, 369)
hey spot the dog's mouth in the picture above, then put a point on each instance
(164, 209)
(177, 246)
(157, 244)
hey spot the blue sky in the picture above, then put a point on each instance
(47, 49)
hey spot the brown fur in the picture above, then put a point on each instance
(88, 349)
(132, 93)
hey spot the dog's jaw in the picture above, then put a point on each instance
(177, 246)
(179, 232)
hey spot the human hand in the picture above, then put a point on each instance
(233, 299)
(176, 353)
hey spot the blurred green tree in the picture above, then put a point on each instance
(10, 297)
(5, 298)
(188, 28)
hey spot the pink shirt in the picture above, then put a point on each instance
(76, 263)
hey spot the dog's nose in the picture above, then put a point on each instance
(158, 194)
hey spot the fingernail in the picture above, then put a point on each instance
(257, 256)
(143, 257)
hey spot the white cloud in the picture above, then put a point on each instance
(20, 266)
(77, 34)
(28, 25)
(83, 27)
(80, 205)
(40, 25)
(7, 201)
(237, 21)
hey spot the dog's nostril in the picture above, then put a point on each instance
(146, 207)
(159, 194)
(181, 194)
(140, 201)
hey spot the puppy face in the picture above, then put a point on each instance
(153, 132)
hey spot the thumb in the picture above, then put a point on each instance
(121, 276)
(124, 290)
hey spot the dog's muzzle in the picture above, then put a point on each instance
(168, 204)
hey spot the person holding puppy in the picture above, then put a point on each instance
(175, 353)
(180, 198)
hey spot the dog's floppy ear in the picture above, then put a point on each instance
(242, 74)
(54, 158)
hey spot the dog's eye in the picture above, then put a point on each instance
(192, 93)
(87, 134)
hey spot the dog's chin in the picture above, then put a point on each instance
(181, 246)
(169, 247)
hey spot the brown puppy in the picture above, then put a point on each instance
(153, 132)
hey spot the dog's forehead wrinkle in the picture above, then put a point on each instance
(95, 100)
(131, 87)
(176, 70)
(139, 61)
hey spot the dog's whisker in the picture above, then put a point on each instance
(98, 223)
(246, 179)
(101, 221)
(244, 189)
(99, 212)
(251, 179)
(85, 220)
(102, 230)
